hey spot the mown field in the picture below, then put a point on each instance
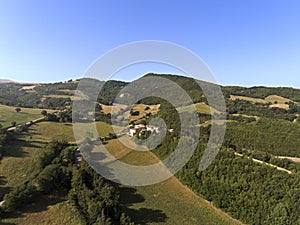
(48, 131)
(9, 115)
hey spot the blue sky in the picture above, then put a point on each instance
(243, 42)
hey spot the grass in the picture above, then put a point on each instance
(201, 107)
(48, 131)
(14, 167)
(254, 100)
(9, 115)
(116, 108)
(125, 153)
(45, 212)
(169, 202)
(275, 100)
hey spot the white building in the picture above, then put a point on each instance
(143, 128)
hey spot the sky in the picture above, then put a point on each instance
(243, 42)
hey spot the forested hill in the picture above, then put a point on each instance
(280, 103)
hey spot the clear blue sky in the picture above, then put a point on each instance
(243, 42)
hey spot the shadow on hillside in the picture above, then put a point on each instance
(143, 216)
(3, 190)
(40, 203)
(5, 223)
(129, 196)
(39, 142)
(24, 113)
(16, 149)
(146, 216)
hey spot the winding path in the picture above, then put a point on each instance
(268, 164)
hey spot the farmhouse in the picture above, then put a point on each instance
(140, 128)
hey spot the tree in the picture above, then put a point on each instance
(18, 109)
(44, 113)
(49, 178)
(22, 128)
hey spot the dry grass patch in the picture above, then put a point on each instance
(282, 106)
(254, 100)
(275, 100)
(201, 107)
(278, 101)
(115, 108)
(28, 88)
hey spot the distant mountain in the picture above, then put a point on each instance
(5, 81)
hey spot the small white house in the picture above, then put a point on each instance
(143, 128)
(132, 132)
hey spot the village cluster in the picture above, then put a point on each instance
(142, 129)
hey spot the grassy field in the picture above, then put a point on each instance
(125, 153)
(116, 108)
(254, 100)
(48, 131)
(14, 165)
(275, 100)
(168, 202)
(45, 212)
(201, 107)
(8, 115)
